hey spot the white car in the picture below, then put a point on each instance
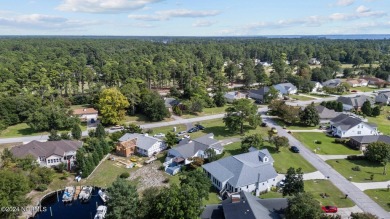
(159, 135)
(181, 133)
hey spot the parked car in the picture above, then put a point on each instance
(199, 126)
(329, 209)
(273, 129)
(264, 124)
(294, 149)
(159, 135)
(353, 91)
(181, 133)
(194, 129)
(117, 127)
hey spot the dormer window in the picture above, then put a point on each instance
(265, 159)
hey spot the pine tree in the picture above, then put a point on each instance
(366, 108)
(76, 132)
(100, 132)
(376, 111)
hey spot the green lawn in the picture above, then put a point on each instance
(328, 147)
(382, 121)
(318, 95)
(380, 196)
(283, 159)
(316, 187)
(299, 97)
(280, 122)
(107, 173)
(207, 112)
(19, 130)
(140, 119)
(213, 197)
(364, 89)
(344, 167)
(166, 129)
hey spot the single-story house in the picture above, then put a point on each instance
(86, 114)
(332, 83)
(314, 61)
(286, 88)
(345, 126)
(326, 114)
(259, 94)
(317, 87)
(142, 144)
(356, 102)
(374, 81)
(357, 82)
(190, 148)
(383, 97)
(250, 172)
(170, 103)
(244, 205)
(50, 153)
(361, 142)
(234, 95)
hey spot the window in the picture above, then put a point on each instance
(359, 132)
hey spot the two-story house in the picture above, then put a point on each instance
(142, 144)
(345, 126)
(383, 97)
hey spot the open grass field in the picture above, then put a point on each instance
(344, 167)
(380, 196)
(327, 147)
(283, 159)
(280, 122)
(316, 187)
(382, 121)
(299, 97)
(22, 129)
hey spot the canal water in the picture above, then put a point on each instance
(74, 210)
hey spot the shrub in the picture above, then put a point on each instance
(356, 157)
(60, 167)
(166, 180)
(318, 142)
(340, 140)
(124, 175)
(41, 187)
(356, 168)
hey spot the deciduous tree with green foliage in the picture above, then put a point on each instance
(271, 95)
(280, 141)
(363, 215)
(378, 152)
(53, 136)
(153, 106)
(309, 116)
(255, 140)
(241, 111)
(170, 139)
(293, 183)
(198, 180)
(123, 202)
(112, 104)
(303, 206)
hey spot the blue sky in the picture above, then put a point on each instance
(193, 17)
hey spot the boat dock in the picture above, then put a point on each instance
(77, 192)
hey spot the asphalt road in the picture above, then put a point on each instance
(345, 186)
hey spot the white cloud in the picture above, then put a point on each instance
(168, 14)
(344, 2)
(362, 9)
(103, 6)
(203, 23)
(142, 25)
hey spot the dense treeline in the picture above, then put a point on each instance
(39, 70)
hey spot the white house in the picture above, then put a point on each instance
(145, 145)
(345, 126)
(234, 95)
(249, 172)
(383, 97)
(50, 153)
(286, 88)
(86, 114)
(357, 82)
(317, 87)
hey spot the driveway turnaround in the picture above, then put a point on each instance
(354, 193)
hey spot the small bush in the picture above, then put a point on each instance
(124, 175)
(166, 180)
(318, 142)
(41, 187)
(356, 168)
(340, 141)
(356, 157)
(161, 168)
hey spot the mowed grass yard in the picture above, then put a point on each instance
(382, 121)
(316, 187)
(380, 196)
(327, 147)
(283, 159)
(300, 97)
(22, 129)
(207, 112)
(280, 122)
(344, 167)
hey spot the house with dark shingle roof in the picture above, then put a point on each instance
(332, 83)
(345, 126)
(142, 144)
(326, 114)
(383, 97)
(361, 142)
(50, 153)
(259, 94)
(244, 205)
(356, 102)
(170, 103)
(250, 172)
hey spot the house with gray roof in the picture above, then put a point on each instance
(286, 88)
(49, 153)
(234, 95)
(361, 142)
(259, 94)
(250, 172)
(356, 102)
(190, 148)
(326, 114)
(332, 83)
(170, 103)
(244, 205)
(383, 97)
(144, 144)
(345, 126)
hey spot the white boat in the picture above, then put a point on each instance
(103, 195)
(86, 193)
(100, 212)
(68, 194)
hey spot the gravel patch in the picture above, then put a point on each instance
(149, 176)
